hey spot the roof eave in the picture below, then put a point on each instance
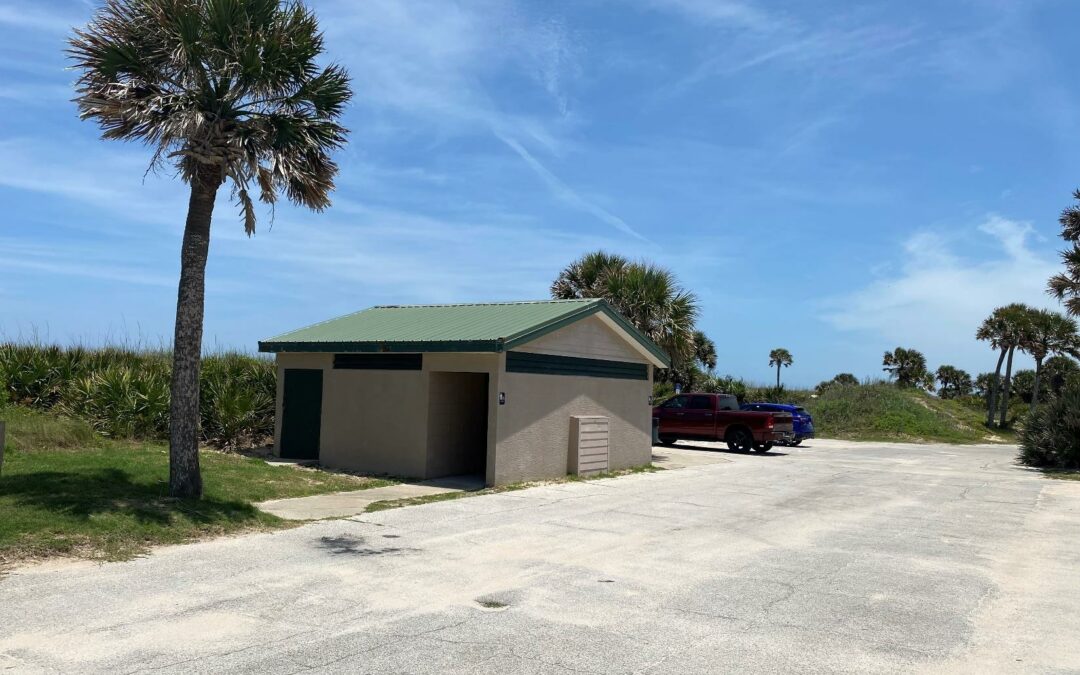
(273, 346)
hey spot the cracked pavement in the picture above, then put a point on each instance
(836, 557)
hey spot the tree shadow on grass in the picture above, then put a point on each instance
(109, 491)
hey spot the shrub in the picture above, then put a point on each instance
(237, 395)
(725, 385)
(1051, 434)
(124, 393)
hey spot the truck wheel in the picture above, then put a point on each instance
(795, 442)
(763, 447)
(740, 440)
(668, 440)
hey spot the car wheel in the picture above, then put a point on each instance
(740, 440)
(795, 442)
(668, 440)
(763, 447)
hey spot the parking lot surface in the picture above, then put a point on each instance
(836, 557)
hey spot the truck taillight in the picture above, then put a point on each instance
(769, 423)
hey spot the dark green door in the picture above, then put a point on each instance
(301, 414)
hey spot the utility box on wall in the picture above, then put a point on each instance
(589, 444)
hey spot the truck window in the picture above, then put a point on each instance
(727, 403)
(700, 403)
(677, 402)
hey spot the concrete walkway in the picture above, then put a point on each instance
(345, 504)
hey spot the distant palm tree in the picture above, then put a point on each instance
(1002, 329)
(779, 357)
(1066, 286)
(954, 382)
(908, 366)
(648, 295)
(704, 350)
(228, 90)
(1048, 333)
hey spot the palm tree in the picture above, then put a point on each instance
(1017, 332)
(954, 382)
(1048, 333)
(1000, 329)
(223, 91)
(779, 357)
(704, 350)
(587, 276)
(648, 295)
(1066, 286)
(908, 366)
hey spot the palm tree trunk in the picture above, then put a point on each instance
(184, 477)
(991, 407)
(1005, 390)
(1035, 385)
(778, 377)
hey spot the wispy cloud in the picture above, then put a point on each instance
(567, 194)
(429, 61)
(938, 296)
(724, 12)
(31, 16)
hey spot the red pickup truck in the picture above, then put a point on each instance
(716, 417)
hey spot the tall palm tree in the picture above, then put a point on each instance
(1048, 333)
(224, 91)
(1066, 286)
(1018, 327)
(1000, 329)
(780, 357)
(648, 295)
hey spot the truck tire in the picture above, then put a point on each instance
(763, 447)
(667, 440)
(740, 440)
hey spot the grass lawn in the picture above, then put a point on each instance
(66, 492)
(883, 412)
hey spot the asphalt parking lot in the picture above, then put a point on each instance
(836, 557)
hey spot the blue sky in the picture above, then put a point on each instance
(836, 178)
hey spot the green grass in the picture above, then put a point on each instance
(66, 492)
(1063, 475)
(450, 496)
(884, 412)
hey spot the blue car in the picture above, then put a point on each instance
(802, 422)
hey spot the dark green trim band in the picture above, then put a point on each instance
(378, 362)
(548, 364)
(382, 347)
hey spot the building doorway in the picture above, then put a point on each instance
(457, 424)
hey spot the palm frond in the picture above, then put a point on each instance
(225, 88)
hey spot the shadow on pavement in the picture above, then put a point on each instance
(683, 445)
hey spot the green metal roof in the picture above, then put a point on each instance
(479, 327)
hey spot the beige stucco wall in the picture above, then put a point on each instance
(533, 428)
(376, 421)
(589, 338)
(534, 425)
